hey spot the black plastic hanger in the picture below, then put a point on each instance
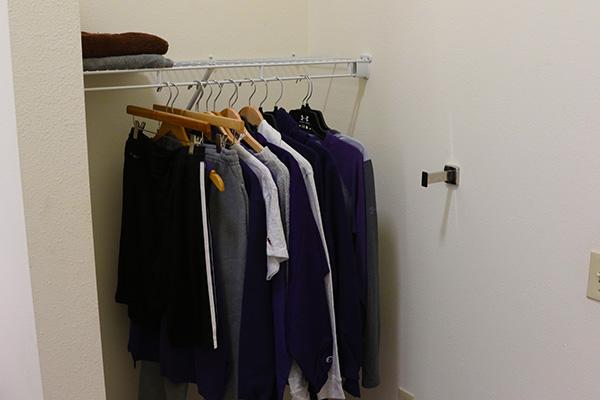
(306, 117)
(269, 117)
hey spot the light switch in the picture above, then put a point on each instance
(593, 291)
(404, 395)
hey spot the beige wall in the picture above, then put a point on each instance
(20, 362)
(53, 152)
(484, 287)
(195, 30)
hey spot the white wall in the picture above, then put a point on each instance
(46, 57)
(195, 30)
(483, 287)
(20, 363)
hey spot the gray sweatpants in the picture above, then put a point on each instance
(229, 226)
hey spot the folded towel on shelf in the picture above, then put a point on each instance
(139, 61)
(121, 44)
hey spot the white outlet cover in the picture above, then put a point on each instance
(593, 291)
(405, 395)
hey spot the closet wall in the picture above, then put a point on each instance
(20, 363)
(49, 109)
(483, 287)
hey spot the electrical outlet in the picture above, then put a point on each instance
(404, 395)
(593, 291)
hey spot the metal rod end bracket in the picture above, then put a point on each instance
(450, 176)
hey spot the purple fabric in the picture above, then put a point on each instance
(205, 367)
(313, 158)
(349, 161)
(308, 325)
(256, 376)
(337, 223)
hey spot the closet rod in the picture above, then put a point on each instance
(218, 82)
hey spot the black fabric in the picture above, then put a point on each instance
(256, 377)
(161, 256)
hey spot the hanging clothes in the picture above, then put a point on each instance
(298, 385)
(158, 259)
(338, 234)
(271, 282)
(367, 231)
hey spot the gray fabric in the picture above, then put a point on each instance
(228, 213)
(281, 175)
(140, 61)
(370, 371)
(154, 387)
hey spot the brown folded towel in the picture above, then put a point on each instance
(121, 44)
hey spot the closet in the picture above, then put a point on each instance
(483, 284)
(240, 294)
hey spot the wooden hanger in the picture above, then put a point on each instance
(211, 119)
(247, 137)
(251, 114)
(233, 114)
(181, 122)
(176, 130)
(166, 127)
(175, 122)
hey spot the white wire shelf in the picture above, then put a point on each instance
(356, 68)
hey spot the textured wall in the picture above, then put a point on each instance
(195, 30)
(19, 363)
(53, 150)
(483, 287)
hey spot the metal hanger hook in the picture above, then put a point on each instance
(281, 93)
(162, 85)
(311, 88)
(266, 92)
(220, 84)
(200, 86)
(176, 96)
(252, 82)
(236, 93)
(209, 95)
(166, 84)
(304, 77)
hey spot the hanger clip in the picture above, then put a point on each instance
(138, 127)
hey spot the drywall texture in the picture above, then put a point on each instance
(19, 363)
(53, 151)
(195, 30)
(483, 287)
